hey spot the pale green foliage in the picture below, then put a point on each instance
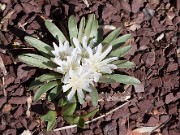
(123, 79)
(51, 83)
(44, 88)
(55, 31)
(94, 96)
(112, 36)
(50, 117)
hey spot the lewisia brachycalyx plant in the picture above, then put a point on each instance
(81, 65)
(76, 64)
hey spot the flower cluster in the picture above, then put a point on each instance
(81, 64)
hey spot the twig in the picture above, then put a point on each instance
(4, 90)
(65, 127)
(4, 71)
(95, 119)
(108, 27)
(22, 49)
(162, 124)
(2, 67)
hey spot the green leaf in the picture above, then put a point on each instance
(104, 79)
(123, 64)
(94, 95)
(72, 120)
(54, 93)
(43, 89)
(99, 36)
(35, 84)
(43, 78)
(81, 123)
(50, 117)
(81, 29)
(125, 79)
(49, 77)
(55, 31)
(89, 24)
(72, 27)
(73, 99)
(37, 61)
(51, 124)
(94, 30)
(112, 36)
(39, 45)
(120, 52)
(120, 41)
(92, 113)
(68, 109)
(62, 102)
(80, 99)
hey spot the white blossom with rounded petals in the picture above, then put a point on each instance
(71, 62)
(78, 81)
(81, 65)
(62, 51)
(98, 63)
(82, 49)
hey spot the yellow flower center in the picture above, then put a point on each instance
(76, 82)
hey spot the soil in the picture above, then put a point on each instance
(155, 26)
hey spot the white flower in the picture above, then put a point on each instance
(62, 51)
(97, 62)
(82, 49)
(78, 81)
(71, 62)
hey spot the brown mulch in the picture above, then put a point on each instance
(155, 26)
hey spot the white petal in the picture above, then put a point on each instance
(57, 61)
(66, 87)
(87, 89)
(74, 52)
(55, 53)
(60, 45)
(99, 50)
(78, 59)
(71, 94)
(66, 78)
(59, 69)
(110, 59)
(106, 70)
(84, 42)
(80, 93)
(105, 53)
(55, 46)
(88, 74)
(112, 66)
(66, 44)
(97, 76)
(77, 44)
(90, 52)
(92, 43)
(71, 73)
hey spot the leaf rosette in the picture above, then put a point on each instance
(76, 64)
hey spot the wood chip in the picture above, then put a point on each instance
(2, 67)
(26, 132)
(4, 21)
(139, 88)
(29, 102)
(149, 13)
(86, 2)
(2, 7)
(160, 37)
